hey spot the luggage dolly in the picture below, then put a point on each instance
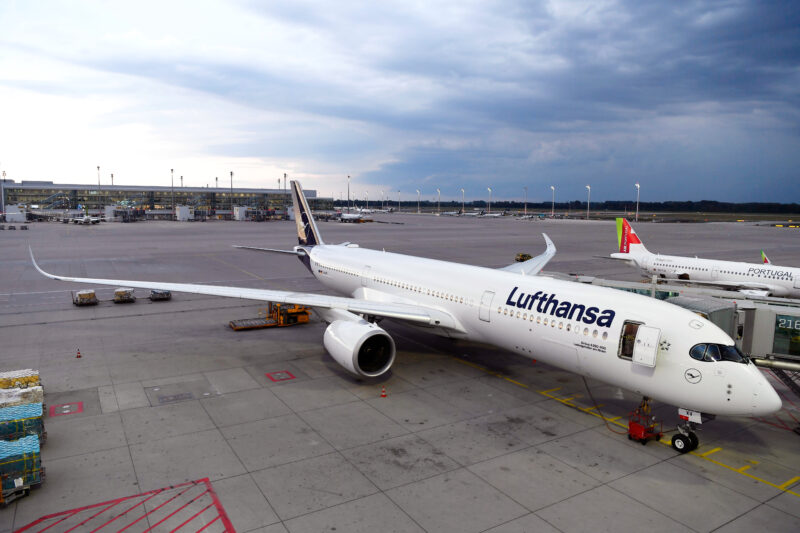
(642, 426)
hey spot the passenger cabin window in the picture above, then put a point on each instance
(717, 352)
(628, 339)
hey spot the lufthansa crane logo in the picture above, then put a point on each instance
(693, 375)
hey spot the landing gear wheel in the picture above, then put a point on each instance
(693, 440)
(681, 443)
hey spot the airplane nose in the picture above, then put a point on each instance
(767, 401)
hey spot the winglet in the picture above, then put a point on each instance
(36, 266)
(307, 232)
(533, 266)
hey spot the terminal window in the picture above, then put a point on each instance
(787, 335)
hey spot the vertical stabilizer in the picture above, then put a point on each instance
(764, 258)
(307, 232)
(629, 242)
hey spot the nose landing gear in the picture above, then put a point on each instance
(686, 440)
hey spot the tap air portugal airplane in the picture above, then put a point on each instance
(654, 348)
(766, 279)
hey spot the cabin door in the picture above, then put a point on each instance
(365, 275)
(485, 310)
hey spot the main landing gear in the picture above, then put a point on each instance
(686, 440)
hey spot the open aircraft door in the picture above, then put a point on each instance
(645, 348)
(485, 311)
(365, 275)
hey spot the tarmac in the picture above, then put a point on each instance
(469, 438)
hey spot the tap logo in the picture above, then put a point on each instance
(548, 304)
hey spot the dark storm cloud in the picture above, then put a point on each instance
(509, 94)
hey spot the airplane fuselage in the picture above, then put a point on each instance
(579, 328)
(777, 280)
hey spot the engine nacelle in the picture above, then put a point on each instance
(361, 347)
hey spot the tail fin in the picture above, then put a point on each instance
(307, 232)
(629, 242)
(764, 258)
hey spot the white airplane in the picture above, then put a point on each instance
(451, 213)
(749, 278)
(351, 217)
(86, 219)
(654, 348)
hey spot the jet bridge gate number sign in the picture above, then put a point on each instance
(787, 335)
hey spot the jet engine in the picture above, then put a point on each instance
(361, 347)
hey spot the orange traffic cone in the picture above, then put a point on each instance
(79, 354)
(383, 392)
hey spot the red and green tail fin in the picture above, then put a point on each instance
(764, 258)
(627, 237)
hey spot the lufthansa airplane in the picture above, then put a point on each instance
(659, 350)
(765, 279)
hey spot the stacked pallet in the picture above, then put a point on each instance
(22, 420)
(19, 379)
(20, 467)
(21, 433)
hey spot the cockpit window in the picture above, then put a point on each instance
(717, 352)
(698, 351)
(732, 353)
(712, 353)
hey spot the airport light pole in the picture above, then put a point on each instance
(553, 204)
(98, 188)
(438, 201)
(398, 200)
(216, 178)
(588, 199)
(3, 197)
(366, 198)
(462, 200)
(181, 182)
(525, 212)
(418, 201)
(637, 202)
(348, 193)
(232, 194)
(383, 204)
(172, 189)
(490, 199)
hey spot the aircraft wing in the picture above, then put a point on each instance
(534, 265)
(409, 312)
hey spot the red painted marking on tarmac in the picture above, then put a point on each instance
(63, 409)
(281, 375)
(104, 515)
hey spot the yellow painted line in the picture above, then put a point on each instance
(709, 452)
(789, 483)
(705, 456)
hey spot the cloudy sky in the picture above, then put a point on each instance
(694, 100)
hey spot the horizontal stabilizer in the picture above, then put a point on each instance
(299, 251)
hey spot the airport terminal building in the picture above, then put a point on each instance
(46, 196)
